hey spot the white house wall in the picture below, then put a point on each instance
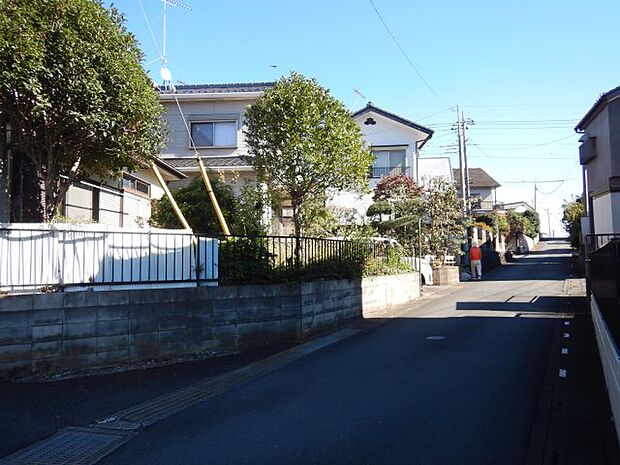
(388, 133)
(606, 212)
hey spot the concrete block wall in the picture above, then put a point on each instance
(48, 333)
(382, 295)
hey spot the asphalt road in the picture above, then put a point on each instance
(467, 395)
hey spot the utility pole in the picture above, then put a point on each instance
(467, 190)
(459, 129)
(535, 191)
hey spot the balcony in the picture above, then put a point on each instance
(380, 171)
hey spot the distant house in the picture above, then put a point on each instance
(518, 207)
(482, 187)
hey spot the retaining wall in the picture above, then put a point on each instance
(47, 333)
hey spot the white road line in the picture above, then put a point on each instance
(563, 373)
(566, 335)
(564, 350)
(567, 323)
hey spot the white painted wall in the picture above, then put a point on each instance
(606, 213)
(33, 256)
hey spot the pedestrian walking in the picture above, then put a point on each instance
(475, 260)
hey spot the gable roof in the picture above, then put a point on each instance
(598, 106)
(399, 119)
(218, 88)
(477, 178)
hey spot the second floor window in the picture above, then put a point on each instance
(214, 134)
(135, 185)
(388, 162)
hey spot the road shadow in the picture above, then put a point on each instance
(530, 304)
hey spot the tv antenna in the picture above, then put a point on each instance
(165, 72)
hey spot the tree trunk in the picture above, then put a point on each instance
(297, 226)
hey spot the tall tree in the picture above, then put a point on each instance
(74, 94)
(304, 141)
(444, 225)
(571, 219)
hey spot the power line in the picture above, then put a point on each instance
(404, 53)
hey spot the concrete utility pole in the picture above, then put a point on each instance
(459, 129)
(5, 211)
(467, 189)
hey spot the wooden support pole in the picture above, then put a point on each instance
(164, 186)
(216, 205)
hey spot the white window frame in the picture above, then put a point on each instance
(213, 121)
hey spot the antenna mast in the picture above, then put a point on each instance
(164, 72)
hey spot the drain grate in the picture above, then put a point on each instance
(70, 446)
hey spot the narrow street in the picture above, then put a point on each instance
(468, 377)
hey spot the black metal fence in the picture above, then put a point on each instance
(53, 258)
(254, 259)
(603, 275)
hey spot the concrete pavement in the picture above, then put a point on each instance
(469, 377)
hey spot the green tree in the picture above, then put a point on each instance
(303, 141)
(243, 213)
(520, 224)
(571, 220)
(73, 92)
(534, 218)
(444, 222)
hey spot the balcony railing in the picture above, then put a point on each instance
(380, 171)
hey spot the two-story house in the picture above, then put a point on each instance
(482, 187)
(395, 142)
(214, 114)
(599, 155)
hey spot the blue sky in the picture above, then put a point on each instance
(524, 71)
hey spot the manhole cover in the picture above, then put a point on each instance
(70, 446)
(435, 338)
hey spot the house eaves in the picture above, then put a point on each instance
(399, 119)
(604, 100)
(198, 92)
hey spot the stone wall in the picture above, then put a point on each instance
(47, 333)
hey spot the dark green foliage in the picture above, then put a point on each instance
(243, 214)
(520, 224)
(534, 218)
(245, 260)
(74, 93)
(571, 220)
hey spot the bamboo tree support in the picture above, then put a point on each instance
(216, 205)
(175, 207)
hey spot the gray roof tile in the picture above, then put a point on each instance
(219, 88)
(477, 178)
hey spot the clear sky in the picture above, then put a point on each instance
(525, 72)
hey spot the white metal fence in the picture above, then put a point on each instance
(50, 257)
